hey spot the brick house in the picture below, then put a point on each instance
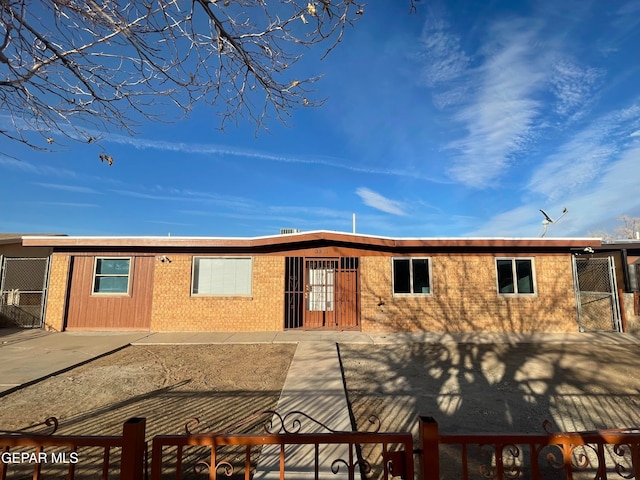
(312, 280)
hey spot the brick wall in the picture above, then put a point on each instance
(57, 291)
(175, 309)
(465, 297)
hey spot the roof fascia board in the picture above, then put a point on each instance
(301, 238)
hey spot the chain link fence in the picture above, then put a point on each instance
(597, 297)
(22, 291)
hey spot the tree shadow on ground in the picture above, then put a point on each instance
(476, 386)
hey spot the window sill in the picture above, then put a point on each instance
(409, 295)
(222, 297)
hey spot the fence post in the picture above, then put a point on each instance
(134, 449)
(430, 458)
(635, 459)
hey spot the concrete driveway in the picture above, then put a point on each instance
(27, 356)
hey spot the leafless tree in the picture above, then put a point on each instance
(77, 67)
(627, 231)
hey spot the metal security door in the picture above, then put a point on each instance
(23, 288)
(596, 294)
(321, 293)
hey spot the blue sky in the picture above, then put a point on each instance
(463, 119)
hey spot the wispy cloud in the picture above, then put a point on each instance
(177, 224)
(590, 207)
(586, 155)
(500, 120)
(67, 188)
(160, 193)
(440, 50)
(66, 204)
(28, 167)
(229, 151)
(573, 85)
(379, 202)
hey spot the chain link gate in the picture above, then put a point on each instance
(596, 294)
(22, 291)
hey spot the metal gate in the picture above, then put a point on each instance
(596, 294)
(322, 293)
(23, 287)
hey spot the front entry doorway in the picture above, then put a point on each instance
(322, 293)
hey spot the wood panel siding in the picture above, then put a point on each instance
(88, 311)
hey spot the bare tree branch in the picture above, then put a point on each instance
(629, 230)
(74, 68)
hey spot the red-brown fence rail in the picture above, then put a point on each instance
(289, 453)
(293, 446)
(596, 455)
(75, 457)
(237, 456)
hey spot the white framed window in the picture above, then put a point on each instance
(515, 276)
(112, 275)
(411, 276)
(222, 276)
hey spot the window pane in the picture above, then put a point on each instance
(111, 285)
(420, 275)
(401, 276)
(525, 276)
(112, 266)
(505, 276)
(222, 276)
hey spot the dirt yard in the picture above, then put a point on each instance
(466, 388)
(219, 384)
(494, 388)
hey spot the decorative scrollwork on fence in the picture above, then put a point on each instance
(554, 458)
(505, 456)
(203, 467)
(294, 422)
(582, 457)
(365, 467)
(624, 450)
(276, 423)
(47, 428)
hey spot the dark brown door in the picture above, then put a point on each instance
(347, 307)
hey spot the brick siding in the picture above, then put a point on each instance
(57, 292)
(465, 297)
(175, 309)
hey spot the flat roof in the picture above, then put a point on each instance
(10, 238)
(304, 237)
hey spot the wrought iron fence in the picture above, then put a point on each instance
(42, 454)
(282, 451)
(595, 455)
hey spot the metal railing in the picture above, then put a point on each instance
(283, 451)
(47, 455)
(596, 455)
